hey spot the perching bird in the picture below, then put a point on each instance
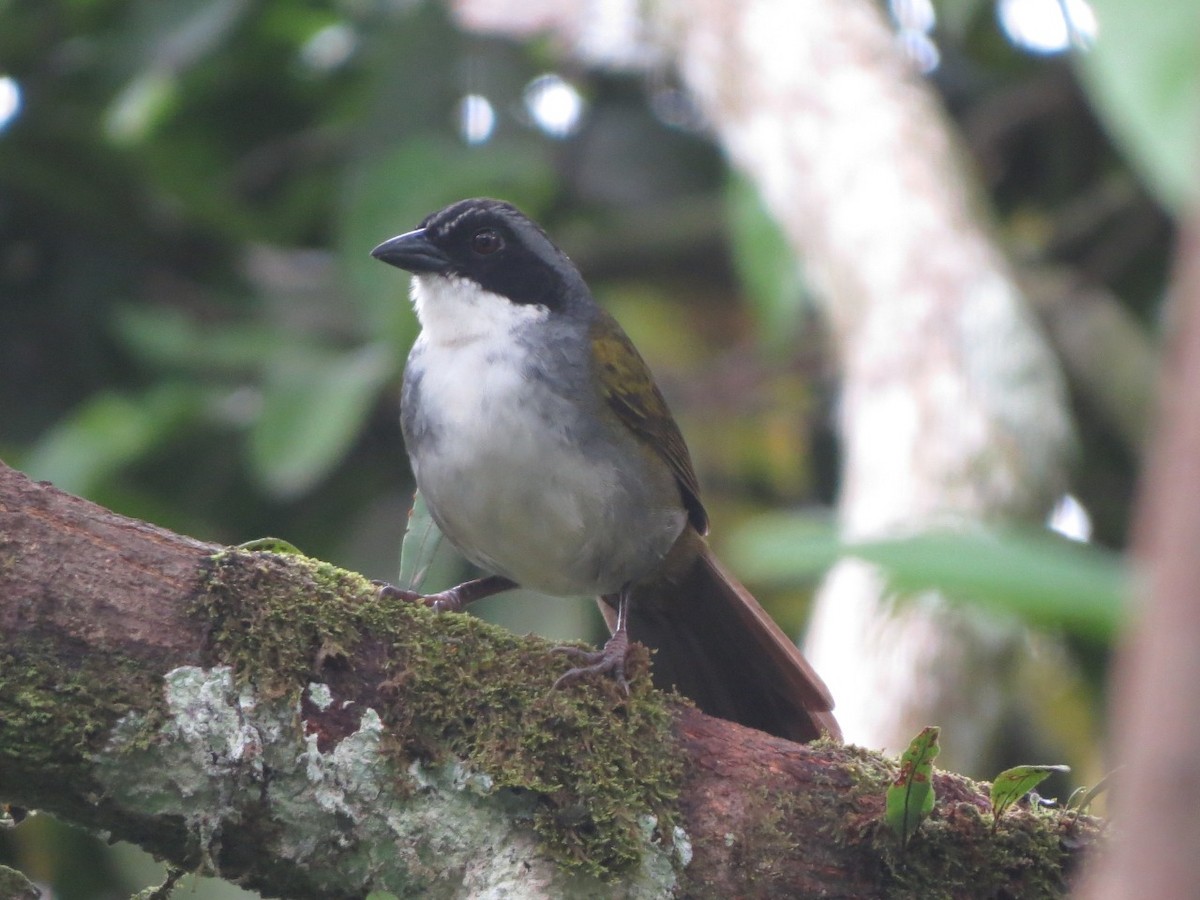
(547, 455)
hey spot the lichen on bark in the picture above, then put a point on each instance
(452, 690)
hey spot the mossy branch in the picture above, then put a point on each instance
(270, 720)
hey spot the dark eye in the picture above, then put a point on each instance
(486, 242)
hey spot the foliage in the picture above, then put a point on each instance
(422, 540)
(1041, 577)
(1143, 77)
(910, 797)
(1013, 784)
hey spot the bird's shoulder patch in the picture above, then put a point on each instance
(630, 392)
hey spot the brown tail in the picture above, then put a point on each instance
(719, 648)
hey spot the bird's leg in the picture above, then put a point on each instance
(609, 660)
(452, 599)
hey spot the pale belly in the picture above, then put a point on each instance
(554, 526)
(524, 488)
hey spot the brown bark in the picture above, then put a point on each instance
(1156, 722)
(96, 608)
(102, 580)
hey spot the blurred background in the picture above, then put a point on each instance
(192, 331)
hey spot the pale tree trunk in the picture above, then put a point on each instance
(952, 408)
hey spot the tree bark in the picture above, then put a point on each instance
(270, 720)
(1156, 715)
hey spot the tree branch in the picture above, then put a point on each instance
(269, 719)
(1156, 726)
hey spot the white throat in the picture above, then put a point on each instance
(456, 311)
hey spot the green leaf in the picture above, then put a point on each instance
(272, 545)
(1046, 579)
(910, 797)
(785, 548)
(109, 432)
(171, 37)
(766, 266)
(1013, 784)
(142, 106)
(1041, 577)
(314, 406)
(1143, 78)
(168, 338)
(421, 541)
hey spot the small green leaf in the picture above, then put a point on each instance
(1013, 784)
(272, 545)
(143, 105)
(766, 266)
(1082, 797)
(421, 541)
(911, 796)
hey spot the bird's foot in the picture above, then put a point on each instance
(443, 601)
(608, 661)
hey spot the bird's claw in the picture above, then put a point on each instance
(386, 589)
(608, 661)
(445, 601)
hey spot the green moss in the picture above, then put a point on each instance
(957, 851)
(57, 712)
(54, 715)
(452, 686)
(954, 854)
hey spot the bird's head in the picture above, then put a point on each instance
(476, 253)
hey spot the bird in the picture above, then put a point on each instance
(547, 455)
